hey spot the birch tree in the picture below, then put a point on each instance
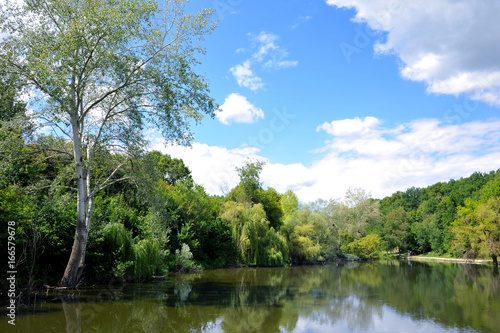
(101, 72)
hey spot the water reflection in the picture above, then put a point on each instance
(367, 297)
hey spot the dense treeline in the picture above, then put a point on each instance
(157, 219)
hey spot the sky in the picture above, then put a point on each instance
(381, 95)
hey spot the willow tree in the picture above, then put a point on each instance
(101, 72)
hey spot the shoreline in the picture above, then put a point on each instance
(457, 260)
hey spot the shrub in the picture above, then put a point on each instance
(184, 260)
(367, 247)
(147, 254)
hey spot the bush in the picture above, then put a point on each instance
(366, 247)
(184, 260)
(147, 254)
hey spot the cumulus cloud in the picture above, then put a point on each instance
(451, 45)
(212, 166)
(365, 153)
(348, 127)
(265, 51)
(238, 109)
(245, 76)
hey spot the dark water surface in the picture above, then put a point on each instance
(386, 296)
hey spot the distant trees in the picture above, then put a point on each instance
(432, 214)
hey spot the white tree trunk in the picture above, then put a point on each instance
(76, 263)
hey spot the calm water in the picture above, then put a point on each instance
(395, 296)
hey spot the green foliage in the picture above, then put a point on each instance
(10, 106)
(171, 170)
(304, 232)
(304, 247)
(117, 241)
(113, 208)
(250, 231)
(216, 244)
(362, 213)
(421, 233)
(146, 258)
(491, 189)
(396, 229)
(289, 203)
(367, 247)
(184, 259)
(275, 249)
(249, 182)
(477, 230)
(270, 200)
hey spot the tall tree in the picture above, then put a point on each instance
(363, 212)
(249, 182)
(396, 229)
(477, 229)
(100, 72)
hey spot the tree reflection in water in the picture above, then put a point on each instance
(364, 297)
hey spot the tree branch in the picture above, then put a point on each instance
(108, 181)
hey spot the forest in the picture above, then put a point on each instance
(157, 220)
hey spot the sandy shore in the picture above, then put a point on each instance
(477, 261)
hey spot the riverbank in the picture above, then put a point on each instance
(458, 260)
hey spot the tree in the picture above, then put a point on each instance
(101, 71)
(10, 106)
(477, 230)
(257, 243)
(396, 229)
(362, 212)
(289, 203)
(171, 170)
(270, 199)
(249, 182)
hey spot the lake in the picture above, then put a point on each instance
(384, 296)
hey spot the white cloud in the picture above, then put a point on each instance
(278, 64)
(300, 20)
(245, 77)
(267, 52)
(238, 109)
(349, 127)
(364, 154)
(266, 44)
(451, 45)
(212, 166)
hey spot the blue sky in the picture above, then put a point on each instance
(381, 95)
